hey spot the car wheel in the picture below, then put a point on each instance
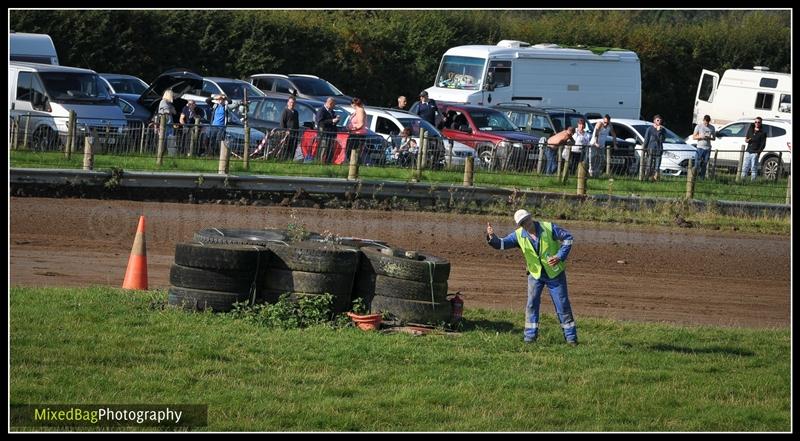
(771, 168)
(485, 157)
(44, 139)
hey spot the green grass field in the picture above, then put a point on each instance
(723, 187)
(103, 345)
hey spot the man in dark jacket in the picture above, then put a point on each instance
(290, 121)
(756, 140)
(427, 109)
(326, 121)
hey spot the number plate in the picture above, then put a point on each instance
(107, 140)
(617, 161)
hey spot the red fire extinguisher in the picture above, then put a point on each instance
(457, 309)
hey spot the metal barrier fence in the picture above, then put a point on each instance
(542, 166)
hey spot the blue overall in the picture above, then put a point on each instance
(556, 285)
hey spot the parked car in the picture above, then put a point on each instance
(265, 112)
(119, 83)
(390, 123)
(133, 111)
(234, 134)
(45, 94)
(230, 87)
(776, 159)
(529, 119)
(302, 86)
(496, 140)
(676, 156)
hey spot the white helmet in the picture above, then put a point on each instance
(520, 216)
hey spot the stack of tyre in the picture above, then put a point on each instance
(212, 276)
(410, 286)
(310, 269)
(302, 269)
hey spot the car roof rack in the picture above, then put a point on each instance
(513, 104)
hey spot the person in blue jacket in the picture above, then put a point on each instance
(545, 261)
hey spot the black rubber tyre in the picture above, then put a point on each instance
(410, 290)
(214, 280)
(364, 285)
(405, 268)
(241, 236)
(315, 283)
(411, 311)
(316, 257)
(341, 303)
(222, 257)
(200, 300)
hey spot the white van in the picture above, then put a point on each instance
(743, 94)
(544, 75)
(45, 94)
(32, 48)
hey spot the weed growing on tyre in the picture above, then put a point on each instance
(115, 179)
(297, 231)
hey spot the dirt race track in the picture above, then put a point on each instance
(672, 275)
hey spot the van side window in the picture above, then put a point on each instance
(764, 100)
(785, 104)
(706, 89)
(37, 92)
(24, 86)
(501, 71)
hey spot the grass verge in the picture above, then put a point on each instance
(103, 345)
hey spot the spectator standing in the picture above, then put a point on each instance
(545, 262)
(290, 123)
(402, 103)
(219, 121)
(597, 152)
(580, 141)
(326, 120)
(703, 133)
(356, 126)
(186, 120)
(654, 139)
(756, 139)
(562, 138)
(165, 107)
(427, 108)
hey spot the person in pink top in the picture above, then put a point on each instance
(356, 126)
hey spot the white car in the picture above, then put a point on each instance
(389, 123)
(677, 153)
(776, 157)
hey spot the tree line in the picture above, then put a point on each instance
(378, 55)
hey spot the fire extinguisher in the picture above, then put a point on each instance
(457, 309)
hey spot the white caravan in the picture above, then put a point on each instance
(743, 93)
(33, 48)
(544, 75)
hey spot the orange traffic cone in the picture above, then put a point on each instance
(136, 274)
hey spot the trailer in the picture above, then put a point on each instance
(743, 93)
(545, 75)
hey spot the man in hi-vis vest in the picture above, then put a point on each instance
(544, 259)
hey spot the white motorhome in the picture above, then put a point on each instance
(41, 96)
(33, 48)
(545, 75)
(743, 93)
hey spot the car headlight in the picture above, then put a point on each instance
(670, 155)
(517, 145)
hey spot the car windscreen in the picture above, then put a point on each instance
(235, 90)
(458, 72)
(71, 86)
(315, 87)
(127, 85)
(671, 137)
(492, 121)
(415, 123)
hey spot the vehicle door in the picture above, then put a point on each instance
(729, 142)
(461, 129)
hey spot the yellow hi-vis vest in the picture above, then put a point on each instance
(548, 246)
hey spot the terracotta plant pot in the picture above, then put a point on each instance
(368, 322)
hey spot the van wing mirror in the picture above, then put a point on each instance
(489, 83)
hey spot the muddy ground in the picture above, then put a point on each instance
(675, 275)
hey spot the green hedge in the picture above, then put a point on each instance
(378, 55)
